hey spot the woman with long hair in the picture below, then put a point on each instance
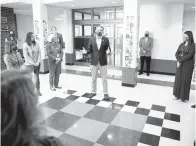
(19, 112)
(32, 56)
(12, 57)
(185, 66)
(55, 55)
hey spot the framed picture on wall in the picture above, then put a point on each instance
(4, 27)
(3, 19)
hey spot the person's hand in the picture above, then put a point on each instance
(58, 59)
(37, 64)
(108, 52)
(84, 50)
(144, 51)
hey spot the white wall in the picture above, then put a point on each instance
(24, 25)
(164, 21)
(189, 22)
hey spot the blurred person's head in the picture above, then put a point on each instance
(99, 31)
(188, 37)
(10, 46)
(30, 38)
(18, 108)
(52, 38)
(54, 30)
(146, 34)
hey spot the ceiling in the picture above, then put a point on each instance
(77, 4)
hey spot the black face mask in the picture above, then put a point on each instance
(99, 34)
(146, 35)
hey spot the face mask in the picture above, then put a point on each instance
(146, 35)
(99, 34)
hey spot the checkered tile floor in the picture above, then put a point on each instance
(80, 121)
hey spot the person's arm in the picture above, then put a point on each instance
(178, 52)
(89, 49)
(39, 54)
(61, 55)
(108, 47)
(8, 61)
(140, 44)
(151, 45)
(49, 52)
(190, 54)
(61, 41)
(27, 58)
(20, 58)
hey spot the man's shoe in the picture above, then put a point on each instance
(140, 73)
(92, 95)
(58, 87)
(148, 74)
(52, 88)
(193, 106)
(106, 97)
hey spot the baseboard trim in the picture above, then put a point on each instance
(161, 73)
(44, 72)
(128, 85)
(69, 63)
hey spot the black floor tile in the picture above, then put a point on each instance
(155, 121)
(56, 103)
(172, 117)
(111, 99)
(132, 103)
(149, 139)
(93, 101)
(72, 97)
(170, 133)
(158, 108)
(87, 95)
(142, 111)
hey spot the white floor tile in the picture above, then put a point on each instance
(151, 129)
(129, 109)
(172, 124)
(82, 99)
(104, 104)
(141, 144)
(157, 114)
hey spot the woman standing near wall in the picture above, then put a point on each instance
(185, 65)
(12, 57)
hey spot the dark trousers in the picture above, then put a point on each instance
(148, 61)
(54, 73)
(36, 70)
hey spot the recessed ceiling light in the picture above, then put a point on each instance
(72, 5)
(113, 2)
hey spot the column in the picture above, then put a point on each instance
(40, 24)
(68, 29)
(130, 42)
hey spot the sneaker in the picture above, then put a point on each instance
(58, 87)
(106, 97)
(52, 88)
(92, 95)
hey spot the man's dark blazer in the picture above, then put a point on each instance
(98, 54)
(60, 39)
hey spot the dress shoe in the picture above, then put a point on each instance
(140, 73)
(92, 95)
(52, 88)
(148, 74)
(193, 106)
(106, 97)
(58, 87)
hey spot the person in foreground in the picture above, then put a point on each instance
(185, 65)
(12, 57)
(99, 48)
(55, 55)
(32, 56)
(19, 112)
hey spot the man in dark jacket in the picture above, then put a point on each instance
(99, 48)
(59, 36)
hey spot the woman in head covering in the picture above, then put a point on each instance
(12, 57)
(55, 55)
(32, 56)
(19, 112)
(185, 65)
